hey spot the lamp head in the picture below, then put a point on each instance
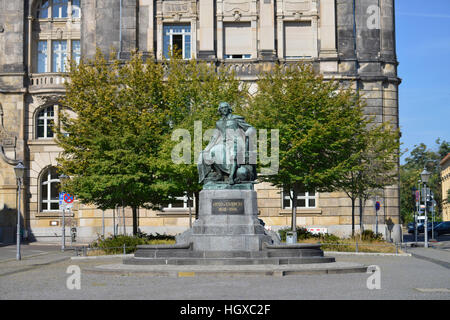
(425, 175)
(19, 170)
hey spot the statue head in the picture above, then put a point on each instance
(224, 108)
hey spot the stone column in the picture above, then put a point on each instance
(327, 29)
(328, 49)
(206, 30)
(219, 30)
(159, 38)
(267, 30)
(146, 25)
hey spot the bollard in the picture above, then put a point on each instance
(124, 250)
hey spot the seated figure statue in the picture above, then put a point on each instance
(226, 158)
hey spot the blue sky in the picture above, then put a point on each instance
(423, 50)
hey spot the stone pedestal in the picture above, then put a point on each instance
(228, 221)
(228, 232)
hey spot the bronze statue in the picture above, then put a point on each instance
(226, 159)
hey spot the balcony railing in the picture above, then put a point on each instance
(47, 81)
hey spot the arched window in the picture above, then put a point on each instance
(45, 122)
(50, 190)
(56, 35)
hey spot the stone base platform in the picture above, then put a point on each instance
(269, 255)
(229, 270)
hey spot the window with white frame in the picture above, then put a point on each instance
(50, 190)
(181, 203)
(178, 37)
(57, 42)
(42, 63)
(59, 9)
(238, 40)
(59, 55)
(304, 200)
(45, 122)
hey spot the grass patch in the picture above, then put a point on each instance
(349, 245)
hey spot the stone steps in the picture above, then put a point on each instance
(227, 261)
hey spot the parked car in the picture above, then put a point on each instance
(442, 228)
(420, 227)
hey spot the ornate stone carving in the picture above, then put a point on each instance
(292, 7)
(170, 7)
(231, 7)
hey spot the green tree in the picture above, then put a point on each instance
(111, 147)
(419, 157)
(375, 167)
(318, 121)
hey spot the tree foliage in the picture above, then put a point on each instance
(321, 128)
(419, 157)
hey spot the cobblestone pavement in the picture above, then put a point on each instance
(401, 278)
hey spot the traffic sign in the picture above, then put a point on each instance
(65, 201)
(377, 205)
(68, 198)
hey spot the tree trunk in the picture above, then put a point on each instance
(353, 217)
(135, 220)
(360, 216)
(190, 210)
(294, 211)
(197, 204)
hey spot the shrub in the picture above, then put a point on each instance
(155, 236)
(369, 235)
(302, 233)
(114, 244)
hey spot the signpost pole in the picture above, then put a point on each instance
(63, 246)
(377, 207)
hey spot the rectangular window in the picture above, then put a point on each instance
(178, 37)
(304, 200)
(181, 203)
(298, 40)
(76, 51)
(59, 9)
(42, 57)
(76, 11)
(59, 56)
(238, 40)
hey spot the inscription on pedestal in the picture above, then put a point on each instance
(228, 206)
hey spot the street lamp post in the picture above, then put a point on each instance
(425, 175)
(19, 170)
(62, 179)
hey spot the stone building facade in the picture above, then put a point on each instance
(350, 40)
(445, 178)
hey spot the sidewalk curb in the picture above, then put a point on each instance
(368, 254)
(103, 257)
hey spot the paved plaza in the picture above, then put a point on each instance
(42, 274)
